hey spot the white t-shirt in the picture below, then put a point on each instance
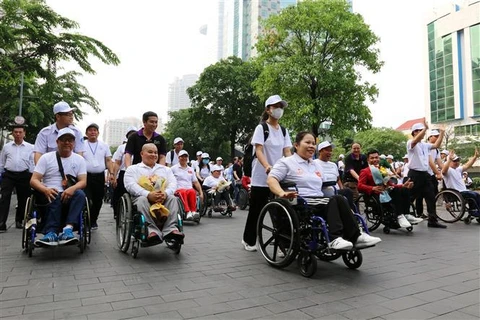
(405, 170)
(185, 176)
(341, 165)
(47, 166)
(272, 149)
(418, 156)
(168, 158)
(95, 154)
(306, 174)
(194, 165)
(435, 154)
(119, 155)
(203, 172)
(454, 180)
(211, 181)
(330, 173)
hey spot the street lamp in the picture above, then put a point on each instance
(324, 130)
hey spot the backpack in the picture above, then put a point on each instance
(248, 150)
(172, 155)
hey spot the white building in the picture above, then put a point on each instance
(114, 131)
(177, 92)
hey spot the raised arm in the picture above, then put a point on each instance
(471, 161)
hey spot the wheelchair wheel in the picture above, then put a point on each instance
(307, 263)
(328, 255)
(88, 226)
(26, 218)
(352, 259)
(277, 228)
(370, 210)
(124, 223)
(242, 199)
(204, 204)
(450, 205)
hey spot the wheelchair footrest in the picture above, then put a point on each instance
(146, 244)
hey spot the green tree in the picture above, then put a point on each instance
(34, 41)
(225, 106)
(312, 54)
(385, 140)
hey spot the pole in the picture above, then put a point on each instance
(21, 96)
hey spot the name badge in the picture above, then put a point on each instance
(95, 162)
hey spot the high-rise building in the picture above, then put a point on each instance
(454, 68)
(177, 92)
(114, 130)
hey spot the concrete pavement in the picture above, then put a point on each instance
(427, 274)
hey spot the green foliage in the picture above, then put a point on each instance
(312, 54)
(35, 40)
(465, 148)
(385, 140)
(224, 105)
(476, 183)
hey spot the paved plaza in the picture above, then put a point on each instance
(427, 274)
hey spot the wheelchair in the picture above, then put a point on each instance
(132, 229)
(183, 213)
(287, 230)
(452, 206)
(207, 208)
(33, 222)
(375, 213)
(243, 198)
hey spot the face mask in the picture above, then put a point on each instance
(277, 113)
(205, 161)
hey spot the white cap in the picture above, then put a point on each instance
(62, 106)
(382, 156)
(199, 153)
(182, 153)
(205, 155)
(405, 156)
(341, 156)
(390, 157)
(433, 133)
(455, 158)
(324, 145)
(219, 158)
(418, 126)
(130, 129)
(275, 99)
(216, 168)
(445, 152)
(177, 140)
(65, 131)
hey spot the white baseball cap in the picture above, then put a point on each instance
(62, 106)
(216, 168)
(405, 156)
(183, 153)
(341, 156)
(275, 99)
(382, 156)
(131, 129)
(177, 140)
(324, 145)
(219, 158)
(205, 155)
(65, 131)
(390, 157)
(418, 126)
(445, 152)
(199, 153)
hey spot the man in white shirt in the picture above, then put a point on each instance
(172, 156)
(16, 166)
(195, 163)
(215, 181)
(144, 199)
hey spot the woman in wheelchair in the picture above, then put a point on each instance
(216, 184)
(307, 175)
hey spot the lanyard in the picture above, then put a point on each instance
(96, 146)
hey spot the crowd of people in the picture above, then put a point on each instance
(65, 167)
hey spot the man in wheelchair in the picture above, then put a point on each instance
(373, 183)
(48, 180)
(308, 176)
(152, 187)
(217, 185)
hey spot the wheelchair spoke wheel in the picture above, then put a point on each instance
(243, 199)
(124, 221)
(370, 211)
(277, 231)
(26, 218)
(307, 262)
(87, 225)
(328, 254)
(450, 205)
(352, 259)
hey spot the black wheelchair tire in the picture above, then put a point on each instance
(450, 206)
(307, 263)
(368, 212)
(352, 259)
(124, 223)
(26, 216)
(242, 199)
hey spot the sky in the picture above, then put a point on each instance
(157, 41)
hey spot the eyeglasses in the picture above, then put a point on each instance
(67, 139)
(68, 114)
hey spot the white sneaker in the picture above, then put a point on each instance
(403, 222)
(366, 240)
(189, 216)
(340, 244)
(249, 248)
(280, 253)
(412, 219)
(196, 215)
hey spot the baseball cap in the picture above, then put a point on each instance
(433, 133)
(219, 158)
(382, 156)
(456, 158)
(62, 106)
(177, 140)
(199, 153)
(205, 155)
(341, 156)
(390, 157)
(275, 99)
(216, 168)
(183, 153)
(65, 131)
(405, 156)
(324, 145)
(445, 152)
(92, 125)
(418, 126)
(131, 129)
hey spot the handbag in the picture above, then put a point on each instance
(67, 180)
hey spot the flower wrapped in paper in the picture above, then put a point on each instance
(154, 183)
(222, 185)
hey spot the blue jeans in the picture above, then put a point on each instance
(53, 215)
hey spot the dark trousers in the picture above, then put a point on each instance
(400, 200)
(258, 199)
(118, 192)
(95, 191)
(422, 187)
(21, 182)
(219, 196)
(419, 200)
(54, 212)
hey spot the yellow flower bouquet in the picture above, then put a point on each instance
(155, 183)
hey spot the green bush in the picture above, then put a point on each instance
(476, 183)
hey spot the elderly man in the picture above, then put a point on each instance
(46, 140)
(149, 169)
(354, 163)
(48, 180)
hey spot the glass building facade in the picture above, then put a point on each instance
(475, 53)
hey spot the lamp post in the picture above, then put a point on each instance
(324, 130)
(20, 102)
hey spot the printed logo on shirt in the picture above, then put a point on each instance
(190, 171)
(318, 173)
(299, 171)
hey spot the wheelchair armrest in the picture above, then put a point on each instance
(326, 184)
(287, 184)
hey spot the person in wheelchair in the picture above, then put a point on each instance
(216, 184)
(152, 187)
(372, 182)
(452, 175)
(308, 176)
(49, 182)
(186, 181)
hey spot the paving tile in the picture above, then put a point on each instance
(122, 314)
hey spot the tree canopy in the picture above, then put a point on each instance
(311, 55)
(385, 140)
(35, 41)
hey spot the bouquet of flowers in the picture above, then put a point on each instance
(155, 183)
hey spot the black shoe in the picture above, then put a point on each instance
(18, 225)
(436, 224)
(3, 228)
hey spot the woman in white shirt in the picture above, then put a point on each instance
(215, 181)
(267, 152)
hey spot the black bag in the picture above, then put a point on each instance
(249, 155)
(71, 180)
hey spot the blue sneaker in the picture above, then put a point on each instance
(67, 237)
(50, 239)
